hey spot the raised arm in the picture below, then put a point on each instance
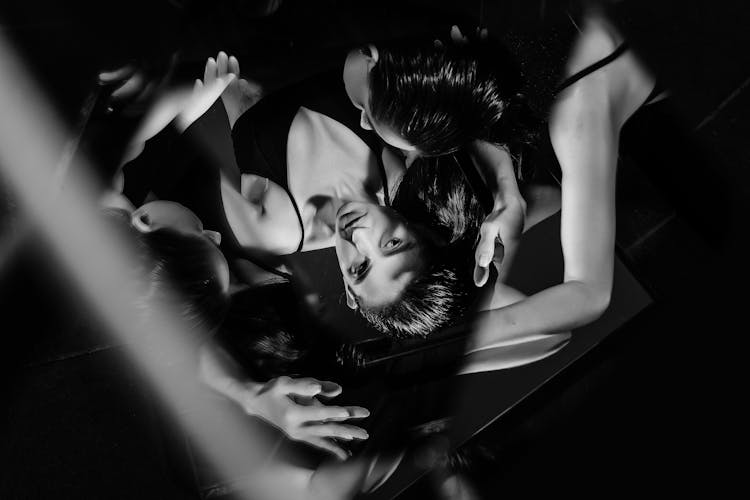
(584, 129)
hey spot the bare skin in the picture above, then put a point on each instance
(584, 128)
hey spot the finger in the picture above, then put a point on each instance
(329, 446)
(197, 85)
(481, 275)
(234, 65)
(332, 413)
(483, 34)
(352, 412)
(132, 86)
(330, 389)
(486, 246)
(209, 73)
(301, 386)
(438, 44)
(117, 74)
(339, 431)
(222, 63)
(456, 35)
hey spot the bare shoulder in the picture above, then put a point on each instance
(609, 95)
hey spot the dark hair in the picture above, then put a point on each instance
(434, 194)
(178, 271)
(440, 99)
(269, 331)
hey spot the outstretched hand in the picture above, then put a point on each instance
(293, 405)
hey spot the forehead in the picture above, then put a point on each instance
(388, 276)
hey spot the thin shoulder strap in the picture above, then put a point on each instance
(590, 69)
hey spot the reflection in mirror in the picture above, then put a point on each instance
(373, 276)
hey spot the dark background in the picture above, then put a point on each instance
(654, 408)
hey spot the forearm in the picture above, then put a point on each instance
(495, 165)
(557, 309)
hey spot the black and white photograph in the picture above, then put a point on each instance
(413, 249)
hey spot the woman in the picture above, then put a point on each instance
(297, 164)
(584, 130)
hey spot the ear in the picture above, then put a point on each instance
(214, 236)
(350, 301)
(374, 55)
(141, 221)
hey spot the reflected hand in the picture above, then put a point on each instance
(459, 39)
(292, 405)
(205, 93)
(133, 86)
(240, 94)
(499, 234)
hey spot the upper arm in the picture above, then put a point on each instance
(585, 137)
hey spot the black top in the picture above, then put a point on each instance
(186, 167)
(260, 134)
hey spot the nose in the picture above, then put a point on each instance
(362, 241)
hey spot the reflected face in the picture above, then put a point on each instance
(168, 214)
(357, 83)
(261, 215)
(378, 253)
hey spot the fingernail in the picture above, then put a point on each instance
(109, 109)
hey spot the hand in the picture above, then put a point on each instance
(134, 85)
(240, 94)
(499, 235)
(205, 92)
(292, 405)
(459, 39)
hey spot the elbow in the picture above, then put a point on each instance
(594, 301)
(598, 301)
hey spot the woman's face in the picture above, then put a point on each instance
(168, 214)
(357, 83)
(378, 253)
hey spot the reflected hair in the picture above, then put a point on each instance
(440, 99)
(179, 271)
(270, 333)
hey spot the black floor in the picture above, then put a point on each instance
(651, 409)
